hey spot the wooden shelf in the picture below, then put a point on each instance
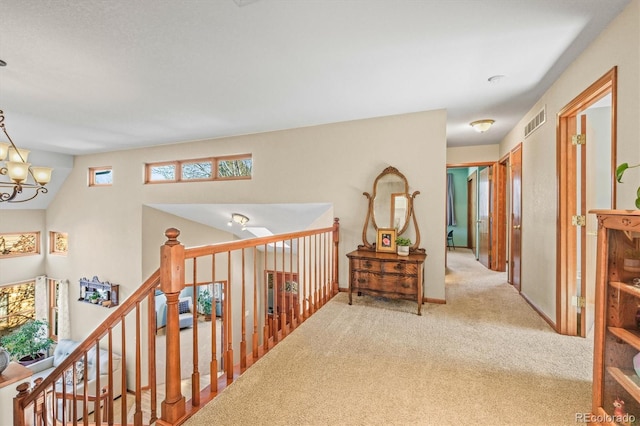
(628, 336)
(628, 379)
(627, 288)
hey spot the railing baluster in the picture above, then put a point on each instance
(265, 288)
(123, 362)
(151, 334)
(255, 304)
(228, 335)
(195, 375)
(243, 325)
(213, 367)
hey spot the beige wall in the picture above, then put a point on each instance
(618, 46)
(473, 154)
(17, 269)
(334, 163)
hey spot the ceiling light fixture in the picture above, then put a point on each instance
(482, 126)
(240, 219)
(17, 170)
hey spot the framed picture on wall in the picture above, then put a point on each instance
(386, 240)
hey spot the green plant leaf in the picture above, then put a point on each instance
(620, 171)
(638, 198)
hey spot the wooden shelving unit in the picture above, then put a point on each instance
(617, 326)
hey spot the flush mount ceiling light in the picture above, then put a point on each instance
(240, 219)
(16, 173)
(482, 126)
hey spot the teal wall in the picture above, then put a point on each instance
(460, 206)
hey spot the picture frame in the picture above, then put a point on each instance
(386, 240)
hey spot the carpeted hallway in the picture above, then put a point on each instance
(484, 358)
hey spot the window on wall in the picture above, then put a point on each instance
(58, 243)
(100, 176)
(17, 305)
(19, 244)
(201, 169)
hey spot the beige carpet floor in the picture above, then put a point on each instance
(484, 358)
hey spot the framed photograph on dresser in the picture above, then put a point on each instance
(386, 240)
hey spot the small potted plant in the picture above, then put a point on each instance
(204, 303)
(402, 244)
(620, 171)
(29, 342)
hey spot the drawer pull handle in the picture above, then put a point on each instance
(362, 280)
(367, 264)
(405, 285)
(398, 266)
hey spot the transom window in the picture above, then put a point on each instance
(22, 244)
(100, 176)
(201, 169)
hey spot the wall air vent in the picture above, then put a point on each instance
(536, 122)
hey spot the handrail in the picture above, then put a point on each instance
(193, 252)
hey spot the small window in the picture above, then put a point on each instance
(24, 244)
(197, 170)
(161, 172)
(58, 243)
(201, 169)
(234, 167)
(100, 176)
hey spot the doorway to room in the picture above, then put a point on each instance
(586, 169)
(476, 211)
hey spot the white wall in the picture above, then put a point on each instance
(473, 154)
(617, 45)
(333, 163)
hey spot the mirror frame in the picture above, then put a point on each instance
(410, 216)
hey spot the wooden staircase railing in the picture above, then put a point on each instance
(267, 287)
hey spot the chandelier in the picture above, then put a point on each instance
(14, 166)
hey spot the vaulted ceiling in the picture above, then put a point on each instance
(86, 76)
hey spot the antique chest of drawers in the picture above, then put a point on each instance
(387, 275)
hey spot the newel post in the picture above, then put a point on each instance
(18, 410)
(336, 242)
(171, 283)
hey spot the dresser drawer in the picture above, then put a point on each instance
(370, 281)
(366, 265)
(405, 285)
(400, 268)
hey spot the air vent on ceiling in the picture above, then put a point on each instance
(536, 122)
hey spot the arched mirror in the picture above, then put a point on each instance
(390, 206)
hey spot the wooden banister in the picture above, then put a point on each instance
(308, 258)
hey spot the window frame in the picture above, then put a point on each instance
(92, 175)
(214, 169)
(53, 239)
(36, 249)
(31, 313)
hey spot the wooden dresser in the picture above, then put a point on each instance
(387, 275)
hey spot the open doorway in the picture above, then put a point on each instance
(586, 169)
(478, 221)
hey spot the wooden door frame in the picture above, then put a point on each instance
(508, 161)
(566, 313)
(471, 221)
(498, 230)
